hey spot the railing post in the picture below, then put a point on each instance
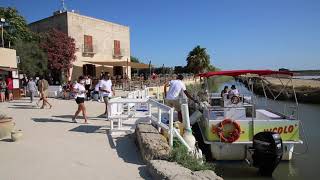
(158, 93)
(150, 111)
(159, 118)
(171, 127)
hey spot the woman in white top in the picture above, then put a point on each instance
(80, 94)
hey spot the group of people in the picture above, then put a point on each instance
(103, 87)
(6, 89)
(233, 91)
(40, 87)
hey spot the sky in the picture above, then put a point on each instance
(238, 34)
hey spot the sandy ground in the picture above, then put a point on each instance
(54, 148)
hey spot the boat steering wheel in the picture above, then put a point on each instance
(235, 99)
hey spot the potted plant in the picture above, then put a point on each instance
(6, 126)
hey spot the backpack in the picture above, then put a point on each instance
(43, 83)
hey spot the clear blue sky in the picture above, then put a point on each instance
(238, 34)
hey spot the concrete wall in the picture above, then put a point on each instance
(8, 58)
(103, 35)
(58, 22)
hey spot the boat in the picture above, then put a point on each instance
(236, 128)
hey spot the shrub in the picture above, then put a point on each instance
(181, 155)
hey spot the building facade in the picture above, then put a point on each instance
(96, 41)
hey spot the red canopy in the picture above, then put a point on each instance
(242, 72)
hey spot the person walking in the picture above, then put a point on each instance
(31, 89)
(43, 86)
(175, 93)
(88, 83)
(9, 82)
(107, 91)
(3, 88)
(80, 94)
(24, 82)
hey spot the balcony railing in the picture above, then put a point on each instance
(118, 54)
(89, 50)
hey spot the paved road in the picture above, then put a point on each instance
(54, 148)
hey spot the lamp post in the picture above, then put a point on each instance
(2, 24)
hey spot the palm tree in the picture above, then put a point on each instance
(198, 60)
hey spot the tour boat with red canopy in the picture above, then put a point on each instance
(244, 72)
(235, 127)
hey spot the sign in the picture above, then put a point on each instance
(288, 129)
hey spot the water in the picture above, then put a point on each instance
(301, 166)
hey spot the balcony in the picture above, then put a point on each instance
(88, 50)
(118, 54)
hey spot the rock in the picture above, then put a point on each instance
(151, 143)
(161, 169)
(207, 174)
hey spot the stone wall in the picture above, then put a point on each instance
(155, 150)
(103, 35)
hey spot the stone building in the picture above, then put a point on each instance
(96, 41)
(8, 68)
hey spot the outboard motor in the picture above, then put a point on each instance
(267, 152)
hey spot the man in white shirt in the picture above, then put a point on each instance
(176, 92)
(106, 90)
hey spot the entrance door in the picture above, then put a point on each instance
(89, 70)
(117, 70)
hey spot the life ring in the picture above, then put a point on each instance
(232, 136)
(235, 99)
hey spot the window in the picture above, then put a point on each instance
(116, 50)
(88, 44)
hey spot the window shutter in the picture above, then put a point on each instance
(88, 47)
(117, 48)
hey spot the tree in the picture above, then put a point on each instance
(15, 27)
(33, 60)
(134, 59)
(198, 60)
(60, 49)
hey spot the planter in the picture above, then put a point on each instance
(6, 126)
(16, 135)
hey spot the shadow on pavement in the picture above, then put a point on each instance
(68, 116)
(44, 120)
(127, 150)
(23, 106)
(6, 140)
(89, 129)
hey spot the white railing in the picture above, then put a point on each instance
(141, 96)
(173, 132)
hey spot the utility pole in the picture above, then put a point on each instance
(2, 24)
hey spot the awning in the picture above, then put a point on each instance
(243, 72)
(7, 69)
(120, 63)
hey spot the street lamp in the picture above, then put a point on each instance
(2, 24)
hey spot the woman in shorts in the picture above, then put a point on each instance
(80, 94)
(3, 88)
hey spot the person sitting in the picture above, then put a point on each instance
(233, 92)
(224, 91)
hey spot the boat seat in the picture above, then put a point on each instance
(265, 114)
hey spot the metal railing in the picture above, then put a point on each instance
(118, 54)
(89, 49)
